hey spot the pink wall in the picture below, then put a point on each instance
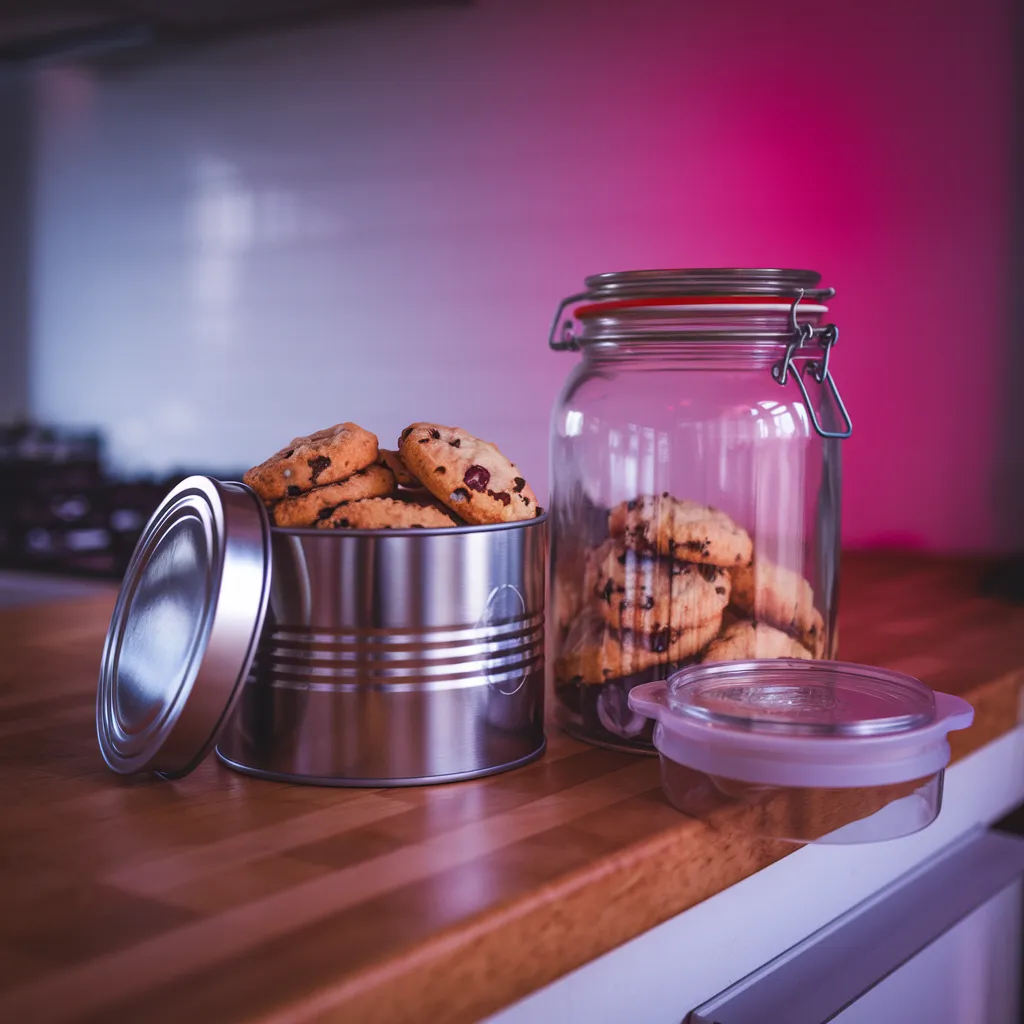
(221, 232)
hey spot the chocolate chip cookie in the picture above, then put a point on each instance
(744, 640)
(307, 509)
(393, 461)
(641, 594)
(386, 514)
(780, 597)
(322, 458)
(682, 529)
(470, 476)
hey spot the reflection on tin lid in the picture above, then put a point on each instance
(184, 629)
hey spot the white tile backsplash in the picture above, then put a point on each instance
(375, 219)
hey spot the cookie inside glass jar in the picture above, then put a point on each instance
(672, 582)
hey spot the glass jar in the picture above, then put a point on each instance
(695, 484)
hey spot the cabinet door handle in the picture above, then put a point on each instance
(819, 977)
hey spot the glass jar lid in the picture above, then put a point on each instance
(802, 698)
(720, 303)
(747, 310)
(709, 281)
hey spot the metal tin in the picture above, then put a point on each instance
(184, 628)
(397, 657)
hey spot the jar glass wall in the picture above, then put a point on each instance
(695, 502)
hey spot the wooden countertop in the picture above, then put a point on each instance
(222, 898)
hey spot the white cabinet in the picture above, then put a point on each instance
(971, 975)
(970, 968)
(921, 949)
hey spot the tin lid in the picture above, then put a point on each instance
(184, 629)
(802, 723)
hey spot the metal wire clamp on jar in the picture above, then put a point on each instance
(695, 483)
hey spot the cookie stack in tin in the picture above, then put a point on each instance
(339, 478)
(674, 582)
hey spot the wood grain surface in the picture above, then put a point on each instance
(222, 898)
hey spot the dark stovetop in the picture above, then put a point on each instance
(61, 512)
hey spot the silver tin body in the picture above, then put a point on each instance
(396, 657)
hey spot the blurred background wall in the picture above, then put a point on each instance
(16, 185)
(374, 218)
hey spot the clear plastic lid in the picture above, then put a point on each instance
(802, 697)
(801, 723)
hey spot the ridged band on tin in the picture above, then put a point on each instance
(429, 659)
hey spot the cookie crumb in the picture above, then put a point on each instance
(660, 641)
(477, 478)
(317, 465)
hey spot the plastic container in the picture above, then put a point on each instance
(805, 751)
(695, 483)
